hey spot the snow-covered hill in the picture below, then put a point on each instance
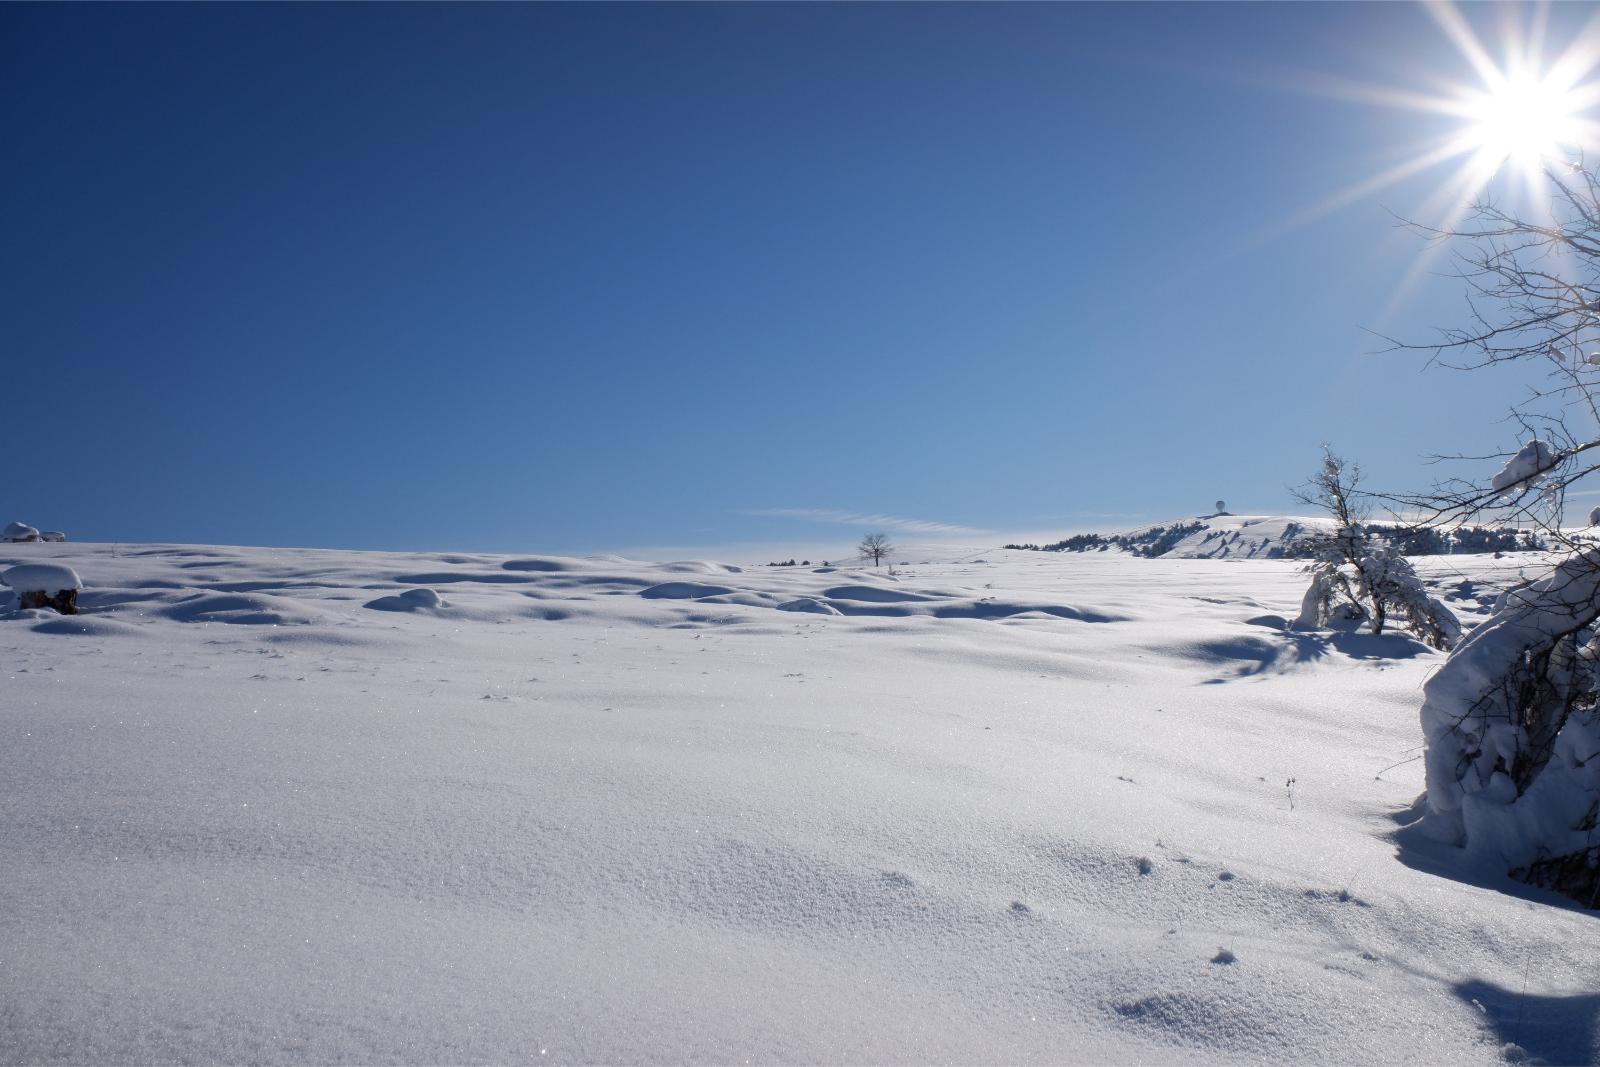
(301, 806)
(1223, 536)
(1244, 536)
(1283, 536)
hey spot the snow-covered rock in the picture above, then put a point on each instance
(49, 577)
(18, 532)
(53, 535)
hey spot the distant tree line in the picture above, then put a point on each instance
(1431, 541)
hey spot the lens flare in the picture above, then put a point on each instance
(1522, 115)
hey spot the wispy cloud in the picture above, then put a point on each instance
(1107, 514)
(856, 518)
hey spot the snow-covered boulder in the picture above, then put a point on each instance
(52, 535)
(19, 532)
(44, 585)
(49, 576)
(1525, 469)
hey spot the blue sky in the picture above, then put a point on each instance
(583, 278)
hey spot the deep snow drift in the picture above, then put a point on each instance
(263, 805)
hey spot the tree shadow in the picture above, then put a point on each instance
(1546, 1029)
(1418, 849)
(1549, 1029)
(1289, 649)
(1379, 646)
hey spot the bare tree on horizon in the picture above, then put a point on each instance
(874, 547)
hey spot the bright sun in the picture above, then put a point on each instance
(1527, 120)
(1529, 108)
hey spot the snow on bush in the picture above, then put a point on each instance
(1525, 469)
(1513, 737)
(1357, 577)
(1373, 583)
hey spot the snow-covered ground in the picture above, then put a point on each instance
(268, 805)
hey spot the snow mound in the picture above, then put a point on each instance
(85, 626)
(19, 531)
(243, 609)
(811, 605)
(410, 600)
(49, 577)
(699, 566)
(873, 594)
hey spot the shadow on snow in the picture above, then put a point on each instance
(1287, 649)
(1551, 1029)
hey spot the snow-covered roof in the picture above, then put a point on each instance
(50, 577)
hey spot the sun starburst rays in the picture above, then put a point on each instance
(1516, 118)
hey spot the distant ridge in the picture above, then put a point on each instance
(1226, 536)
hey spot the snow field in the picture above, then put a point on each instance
(1037, 808)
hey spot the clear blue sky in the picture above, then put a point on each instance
(576, 278)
